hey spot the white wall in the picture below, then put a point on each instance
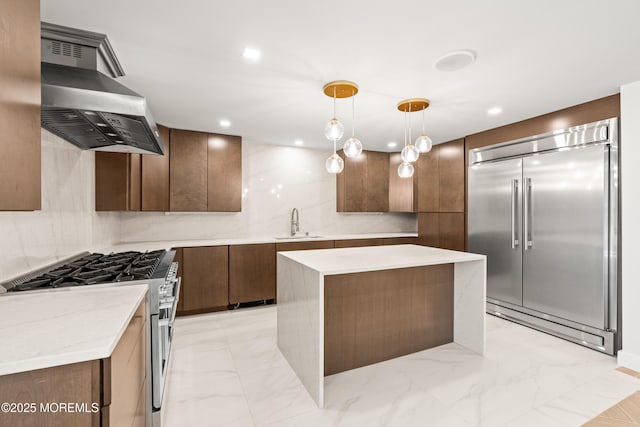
(67, 223)
(275, 179)
(630, 206)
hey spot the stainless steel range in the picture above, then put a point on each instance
(155, 268)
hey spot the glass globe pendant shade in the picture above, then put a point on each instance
(334, 130)
(405, 170)
(423, 143)
(334, 164)
(410, 153)
(352, 147)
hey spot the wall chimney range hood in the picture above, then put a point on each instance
(84, 106)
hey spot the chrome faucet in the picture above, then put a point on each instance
(295, 221)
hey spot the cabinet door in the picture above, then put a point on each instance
(205, 278)
(224, 173)
(400, 189)
(451, 231)
(426, 178)
(303, 246)
(20, 106)
(355, 243)
(429, 229)
(451, 178)
(155, 177)
(377, 182)
(400, 241)
(188, 165)
(117, 184)
(252, 273)
(352, 184)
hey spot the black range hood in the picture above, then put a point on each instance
(84, 106)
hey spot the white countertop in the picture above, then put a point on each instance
(371, 258)
(168, 244)
(62, 326)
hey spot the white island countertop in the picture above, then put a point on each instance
(63, 326)
(371, 258)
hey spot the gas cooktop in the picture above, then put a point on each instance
(96, 268)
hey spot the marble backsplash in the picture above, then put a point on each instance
(67, 223)
(276, 179)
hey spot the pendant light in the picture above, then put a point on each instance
(410, 152)
(423, 142)
(334, 130)
(353, 146)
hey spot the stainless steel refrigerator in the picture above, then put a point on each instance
(544, 210)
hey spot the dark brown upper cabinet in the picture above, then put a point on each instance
(155, 177)
(117, 181)
(439, 179)
(224, 173)
(20, 156)
(205, 172)
(400, 189)
(363, 185)
(188, 171)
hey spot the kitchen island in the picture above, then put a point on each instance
(74, 357)
(340, 309)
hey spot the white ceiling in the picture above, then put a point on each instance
(533, 57)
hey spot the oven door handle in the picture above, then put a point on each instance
(177, 298)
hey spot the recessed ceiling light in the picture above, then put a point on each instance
(225, 123)
(299, 142)
(495, 110)
(391, 144)
(456, 60)
(251, 53)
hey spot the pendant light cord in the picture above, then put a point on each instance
(334, 102)
(405, 128)
(410, 140)
(423, 121)
(353, 114)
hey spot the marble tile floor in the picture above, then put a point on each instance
(226, 370)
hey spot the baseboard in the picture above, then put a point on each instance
(629, 360)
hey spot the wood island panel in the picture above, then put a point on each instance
(379, 315)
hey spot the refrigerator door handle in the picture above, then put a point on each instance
(528, 241)
(515, 240)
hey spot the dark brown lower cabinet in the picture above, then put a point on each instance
(355, 243)
(400, 241)
(303, 246)
(442, 230)
(252, 273)
(109, 392)
(205, 276)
